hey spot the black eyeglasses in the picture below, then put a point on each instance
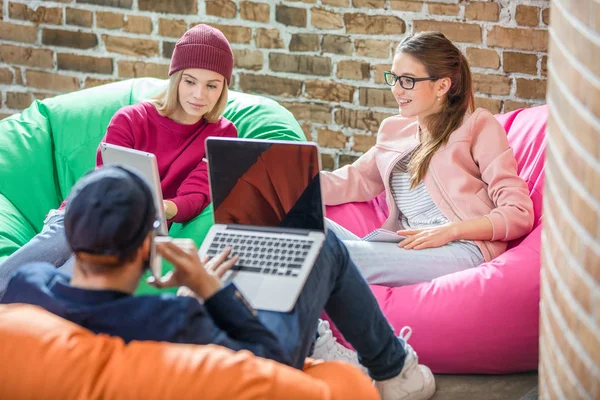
(407, 82)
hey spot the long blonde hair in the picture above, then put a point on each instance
(441, 58)
(167, 101)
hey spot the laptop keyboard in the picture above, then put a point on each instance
(260, 254)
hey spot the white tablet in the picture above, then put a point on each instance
(144, 164)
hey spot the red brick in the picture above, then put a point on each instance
(455, 31)
(290, 16)
(483, 58)
(483, 11)
(515, 38)
(371, 97)
(51, 81)
(18, 100)
(329, 91)
(137, 24)
(527, 15)
(336, 3)
(491, 84)
(235, 34)
(378, 71)
(404, 5)
(373, 24)
(337, 44)
(18, 76)
(300, 64)
(109, 3)
(171, 27)
(331, 139)
(313, 112)
(79, 17)
(362, 143)
(492, 105)
(92, 82)
(346, 159)
(304, 42)
(32, 57)
(109, 20)
(167, 49)
(18, 33)
(519, 62)
(43, 95)
(372, 48)
(327, 162)
(511, 105)
(41, 15)
(443, 9)
(169, 6)
(544, 67)
(307, 130)
(378, 4)
(76, 62)
(64, 38)
(356, 70)
(130, 46)
(6, 76)
(137, 69)
(248, 59)
(221, 8)
(324, 19)
(270, 85)
(251, 11)
(546, 16)
(531, 88)
(268, 39)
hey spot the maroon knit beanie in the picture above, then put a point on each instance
(203, 47)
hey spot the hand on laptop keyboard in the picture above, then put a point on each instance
(203, 278)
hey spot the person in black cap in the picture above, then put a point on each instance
(109, 224)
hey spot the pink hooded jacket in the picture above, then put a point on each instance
(473, 175)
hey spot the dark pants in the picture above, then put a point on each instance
(336, 285)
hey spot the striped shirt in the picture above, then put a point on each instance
(417, 208)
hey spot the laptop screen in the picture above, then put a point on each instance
(265, 183)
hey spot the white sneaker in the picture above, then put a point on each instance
(327, 348)
(414, 382)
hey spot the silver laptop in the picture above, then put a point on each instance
(144, 164)
(266, 197)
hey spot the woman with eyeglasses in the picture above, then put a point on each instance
(449, 175)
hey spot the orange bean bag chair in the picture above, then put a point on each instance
(45, 356)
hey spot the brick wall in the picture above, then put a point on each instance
(570, 288)
(323, 59)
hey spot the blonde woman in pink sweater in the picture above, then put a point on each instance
(448, 172)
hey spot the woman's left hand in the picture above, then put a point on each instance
(418, 239)
(170, 208)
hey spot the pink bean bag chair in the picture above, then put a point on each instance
(485, 319)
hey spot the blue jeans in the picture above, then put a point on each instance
(336, 285)
(50, 245)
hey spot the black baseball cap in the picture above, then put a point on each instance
(109, 213)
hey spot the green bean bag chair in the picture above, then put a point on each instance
(51, 144)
